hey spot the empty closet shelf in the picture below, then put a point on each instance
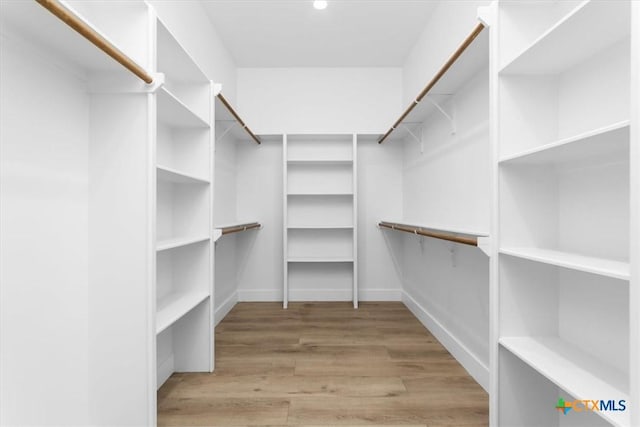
(320, 259)
(601, 266)
(175, 113)
(578, 373)
(177, 177)
(465, 237)
(173, 307)
(166, 244)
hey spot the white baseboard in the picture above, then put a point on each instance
(478, 370)
(223, 309)
(165, 369)
(380, 294)
(260, 295)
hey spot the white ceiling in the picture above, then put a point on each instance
(291, 33)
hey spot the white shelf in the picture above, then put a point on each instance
(175, 113)
(174, 61)
(320, 194)
(319, 259)
(179, 242)
(600, 266)
(320, 227)
(171, 175)
(447, 229)
(571, 369)
(320, 162)
(605, 144)
(576, 37)
(174, 306)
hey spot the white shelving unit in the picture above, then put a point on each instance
(562, 264)
(184, 247)
(320, 218)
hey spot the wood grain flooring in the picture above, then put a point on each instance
(321, 364)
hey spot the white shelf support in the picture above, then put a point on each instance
(444, 113)
(417, 138)
(227, 130)
(217, 234)
(487, 14)
(484, 244)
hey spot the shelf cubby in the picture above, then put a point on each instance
(183, 77)
(319, 148)
(325, 279)
(182, 210)
(166, 174)
(184, 149)
(568, 307)
(320, 244)
(319, 178)
(542, 109)
(320, 211)
(578, 206)
(173, 112)
(578, 35)
(535, 362)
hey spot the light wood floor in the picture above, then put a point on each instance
(325, 364)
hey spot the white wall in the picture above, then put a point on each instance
(189, 22)
(224, 212)
(44, 288)
(450, 23)
(448, 185)
(379, 197)
(319, 100)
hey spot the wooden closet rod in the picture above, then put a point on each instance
(443, 70)
(56, 8)
(472, 241)
(237, 117)
(239, 228)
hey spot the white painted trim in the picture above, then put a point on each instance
(223, 309)
(165, 369)
(380, 294)
(478, 370)
(262, 295)
(259, 295)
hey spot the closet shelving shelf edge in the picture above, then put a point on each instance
(229, 114)
(468, 58)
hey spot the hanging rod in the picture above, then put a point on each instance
(453, 58)
(240, 227)
(237, 117)
(451, 237)
(85, 30)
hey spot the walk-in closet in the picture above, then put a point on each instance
(320, 213)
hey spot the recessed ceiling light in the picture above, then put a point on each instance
(320, 4)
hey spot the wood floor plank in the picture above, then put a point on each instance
(215, 411)
(287, 387)
(323, 364)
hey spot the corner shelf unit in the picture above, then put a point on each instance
(562, 165)
(184, 244)
(320, 218)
